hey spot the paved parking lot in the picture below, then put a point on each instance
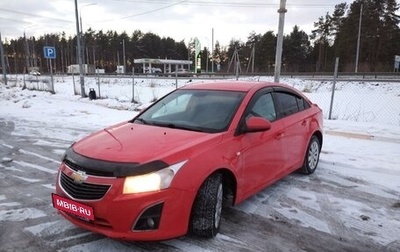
(339, 208)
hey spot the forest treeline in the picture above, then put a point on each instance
(336, 34)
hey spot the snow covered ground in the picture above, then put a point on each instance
(359, 107)
(354, 193)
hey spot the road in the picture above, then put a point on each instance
(296, 214)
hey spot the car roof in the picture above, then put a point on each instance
(243, 86)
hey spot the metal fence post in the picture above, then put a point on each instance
(98, 82)
(73, 82)
(333, 87)
(133, 84)
(176, 77)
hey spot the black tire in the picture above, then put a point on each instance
(311, 158)
(206, 212)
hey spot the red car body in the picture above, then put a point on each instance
(249, 153)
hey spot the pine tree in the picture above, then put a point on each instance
(379, 35)
(296, 50)
(322, 37)
(265, 52)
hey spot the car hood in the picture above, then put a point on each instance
(131, 142)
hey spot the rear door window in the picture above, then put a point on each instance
(289, 103)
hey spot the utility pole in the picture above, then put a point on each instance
(123, 54)
(278, 57)
(78, 39)
(236, 63)
(26, 54)
(212, 50)
(208, 58)
(83, 46)
(3, 63)
(251, 59)
(359, 39)
(82, 38)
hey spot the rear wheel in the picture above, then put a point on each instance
(312, 156)
(207, 208)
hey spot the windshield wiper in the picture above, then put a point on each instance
(143, 121)
(179, 126)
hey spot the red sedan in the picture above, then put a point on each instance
(169, 170)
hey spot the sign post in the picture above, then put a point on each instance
(50, 53)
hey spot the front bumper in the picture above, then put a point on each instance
(116, 215)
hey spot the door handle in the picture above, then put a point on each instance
(279, 135)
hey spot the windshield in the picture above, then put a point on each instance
(197, 110)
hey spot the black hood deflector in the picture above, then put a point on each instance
(97, 167)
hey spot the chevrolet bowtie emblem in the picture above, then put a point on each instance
(79, 176)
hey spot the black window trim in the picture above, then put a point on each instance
(253, 99)
(278, 108)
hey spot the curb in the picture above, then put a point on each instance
(362, 136)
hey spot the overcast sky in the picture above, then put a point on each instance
(178, 19)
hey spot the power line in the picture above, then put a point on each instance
(34, 15)
(206, 3)
(147, 12)
(231, 4)
(228, 4)
(15, 20)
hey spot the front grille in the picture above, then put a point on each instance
(84, 191)
(88, 171)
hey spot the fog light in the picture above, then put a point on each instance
(150, 223)
(149, 219)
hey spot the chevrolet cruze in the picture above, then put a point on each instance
(170, 170)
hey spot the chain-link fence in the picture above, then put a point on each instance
(358, 101)
(375, 102)
(354, 100)
(128, 89)
(30, 82)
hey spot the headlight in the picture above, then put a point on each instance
(153, 181)
(68, 150)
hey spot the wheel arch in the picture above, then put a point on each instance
(304, 169)
(229, 182)
(229, 188)
(318, 134)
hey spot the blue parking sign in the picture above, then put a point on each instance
(49, 52)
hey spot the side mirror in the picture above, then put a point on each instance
(257, 124)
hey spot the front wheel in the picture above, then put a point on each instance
(312, 156)
(207, 208)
